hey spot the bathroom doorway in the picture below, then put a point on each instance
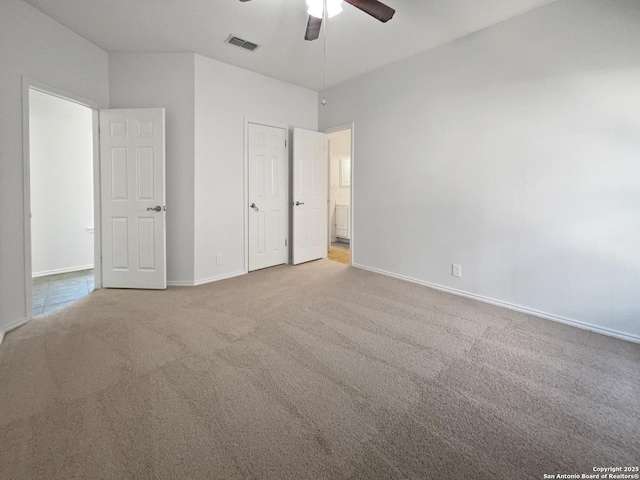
(61, 178)
(340, 216)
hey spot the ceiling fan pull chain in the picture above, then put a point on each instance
(324, 54)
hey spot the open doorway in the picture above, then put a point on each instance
(340, 216)
(61, 163)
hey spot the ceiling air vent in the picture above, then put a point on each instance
(239, 42)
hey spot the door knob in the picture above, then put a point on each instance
(157, 208)
(253, 205)
(299, 203)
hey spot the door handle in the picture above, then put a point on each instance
(157, 208)
(299, 203)
(253, 205)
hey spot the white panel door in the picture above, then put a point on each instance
(132, 180)
(309, 196)
(268, 185)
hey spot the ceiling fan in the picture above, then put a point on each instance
(376, 9)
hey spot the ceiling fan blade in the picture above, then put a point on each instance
(374, 8)
(313, 28)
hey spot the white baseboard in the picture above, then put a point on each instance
(11, 326)
(179, 283)
(204, 281)
(518, 308)
(62, 270)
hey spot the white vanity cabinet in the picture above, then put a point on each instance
(343, 222)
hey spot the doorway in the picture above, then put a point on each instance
(61, 201)
(135, 177)
(39, 296)
(340, 217)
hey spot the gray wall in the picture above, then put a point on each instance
(514, 152)
(33, 45)
(226, 96)
(147, 80)
(206, 103)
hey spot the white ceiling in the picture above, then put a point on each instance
(356, 42)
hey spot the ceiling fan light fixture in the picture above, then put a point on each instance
(316, 8)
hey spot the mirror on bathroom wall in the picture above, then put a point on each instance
(345, 172)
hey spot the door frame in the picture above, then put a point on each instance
(339, 128)
(27, 85)
(245, 195)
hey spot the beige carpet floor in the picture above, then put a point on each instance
(320, 371)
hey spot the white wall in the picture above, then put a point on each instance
(339, 148)
(145, 80)
(61, 161)
(224, 96)
(33, 45)
(514, 152)
(206, 102)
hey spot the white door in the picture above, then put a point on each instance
(132, 179)
(309, 196)
(268, 175)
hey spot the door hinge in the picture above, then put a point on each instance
(285, 242)
(285, 144)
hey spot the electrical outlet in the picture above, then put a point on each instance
(219, 258)
(456, 271)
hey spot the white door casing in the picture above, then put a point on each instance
(132, 173)
(268, 185)
(309, 196)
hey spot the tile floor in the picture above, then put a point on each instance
(340, 244)
(54, 292)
